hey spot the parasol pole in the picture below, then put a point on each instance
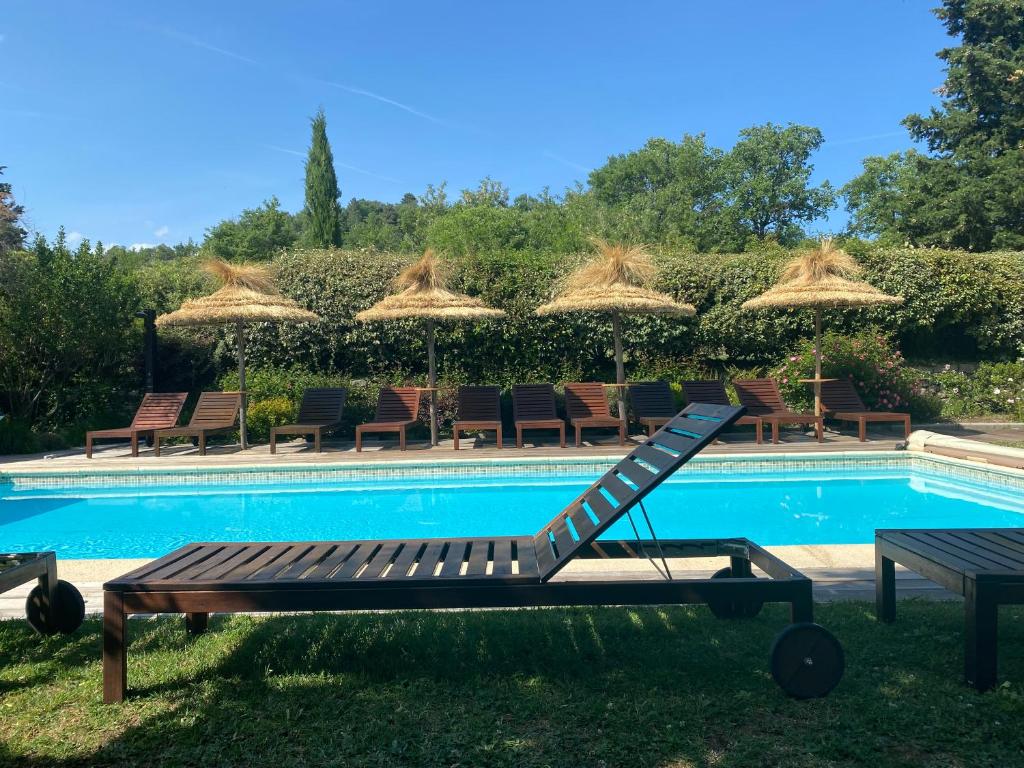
(432, 381)
(620, 371)
(817, 361)
(240, 336)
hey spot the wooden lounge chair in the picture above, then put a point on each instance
(985, 565)
(320, 411)
(533, 407)
(398, 408)
(586, 405)
(653, 404)
(713, 391)
(216, 413)
(479, 409)
(841, 402)
(53, 605)
(763, 399)
(489, 572)
(159, 410)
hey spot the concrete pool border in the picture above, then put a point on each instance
(710, 465)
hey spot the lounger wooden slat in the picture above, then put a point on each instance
(1003, 539)
(398, 409)
(997, 545)
(586, 405)
(478, 558)
(158, 410)
(763, 399)
(216, 413)
(533, 407)
(713, 391)
(320, 412)
(992, 557)
(478, 410)
(653, 404)
(503, 558)
(438, 573)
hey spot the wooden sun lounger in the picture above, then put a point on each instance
(319, 412)
(840, 401)
(216, 413)
(653, 404)
(398, 408)
(497, 572)
(713, 391)
(586, 405)
(985, 565)
(533, 407)
(763, 399)
(159, 410)
(53, 605)
(479, 409)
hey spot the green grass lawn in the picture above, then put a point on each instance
(578, 687)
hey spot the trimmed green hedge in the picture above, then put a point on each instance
(958, 306)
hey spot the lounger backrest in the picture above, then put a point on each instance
(322, 405)
(398, 404)
(760, 396)
(628, 482)
(533, 402)
(216, 409)
(706, 391)
(479, 404)
(652, 399)
(159, 410)
(840, 396)
(584, 400)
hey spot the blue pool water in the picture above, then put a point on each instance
(840, 507)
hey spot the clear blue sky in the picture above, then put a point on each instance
(149, 122)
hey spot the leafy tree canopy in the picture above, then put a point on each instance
(12, 231)
(258, 233)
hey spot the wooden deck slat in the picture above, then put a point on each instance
(362, 554)
(405, 559)
(453, 560)
(183, 564)
(330, 563)
(502, 557)
(526, 556)
(478, 558)
(381, 560)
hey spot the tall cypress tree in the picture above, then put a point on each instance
(323, 214)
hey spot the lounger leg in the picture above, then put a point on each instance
(273, 441)
(88, 446)
(316, 441)
(156, 445)
(819, 427)
(622, 433)
(579, 436)
(519, 436)
(906, 426)
(561, 436)
(115, 648)
(455, 434)
(135, 446)
(802, 608)
(862, 429)
(500, 439)
(359, 440)
(885, 587)
(651, 429)
(981, 614)
(401, 439)
(195, 623)
(759, 432)
(775, 432)
(202, 443)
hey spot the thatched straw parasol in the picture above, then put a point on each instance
(616, 281)
(247, 295)
(422, 294)
(823, 278)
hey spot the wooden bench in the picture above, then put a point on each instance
(985, 565)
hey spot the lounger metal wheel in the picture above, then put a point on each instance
(65, 616)
(807, 661)
(732, 608)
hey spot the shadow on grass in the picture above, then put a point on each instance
(638, 687)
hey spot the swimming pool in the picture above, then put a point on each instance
(789, 501)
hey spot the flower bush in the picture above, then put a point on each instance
(994, 389)
(870, 361)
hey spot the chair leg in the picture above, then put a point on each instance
(88, 446)
(906, 426)
(359, 440)
(401, 439)
(156, 445)
(862, 429)
(135, 446)
(316, 441)
(519, 436)
(499, 437)
(561, 435)
(622, 433)
(579, 436)
(759, 432)
(455, 436)
(202, 443)
(819, 427)
(273, 442)
(775, 432)
(115, 648)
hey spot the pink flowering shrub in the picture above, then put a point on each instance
(868, 360)
(993, 389)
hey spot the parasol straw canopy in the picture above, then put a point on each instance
(423, 294)
(247, 295)
(823, 278)
(615, 281)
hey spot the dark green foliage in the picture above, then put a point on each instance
(12, 231)
(994, 389)
(322, 212)
(257, 234)
(966, 193)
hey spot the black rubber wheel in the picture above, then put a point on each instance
(67, 615)
(807, 661)
(733, 609)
